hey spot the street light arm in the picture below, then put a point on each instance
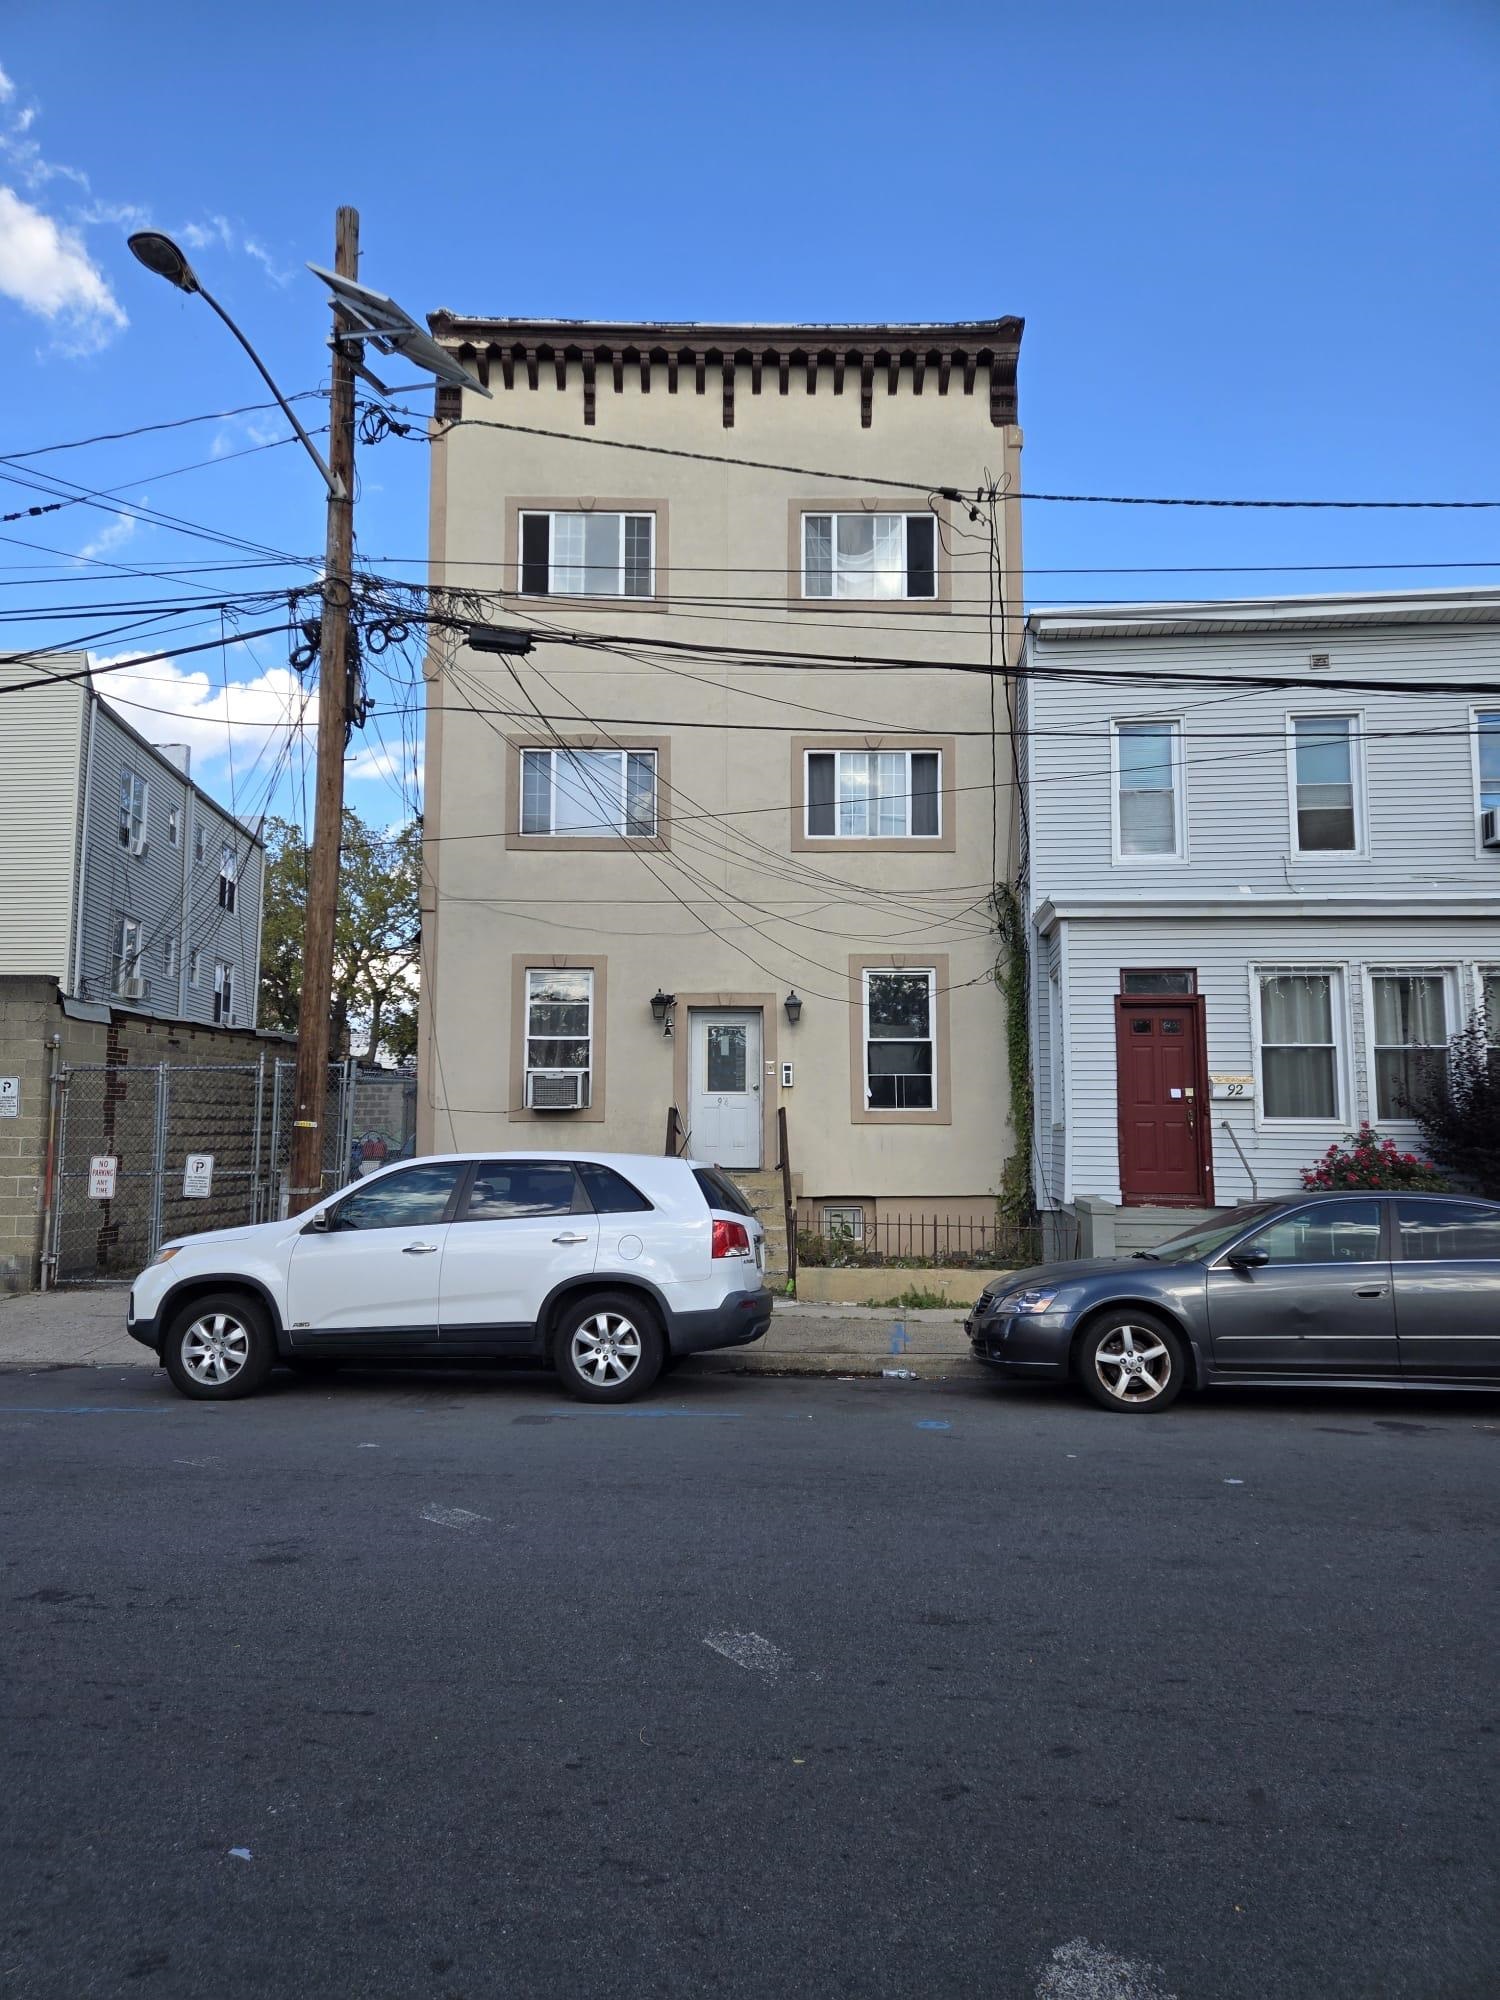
(334, 484)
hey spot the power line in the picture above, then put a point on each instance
(936, 488)
(169, 424)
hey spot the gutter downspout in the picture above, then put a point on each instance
(89, 733)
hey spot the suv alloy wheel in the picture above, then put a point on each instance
(608, 1347)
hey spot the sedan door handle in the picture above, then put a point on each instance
(418, 1249)
(1372, 1292)
(571, 1236)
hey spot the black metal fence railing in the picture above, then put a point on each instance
(916, 1240)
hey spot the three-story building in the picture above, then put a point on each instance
(723, 843)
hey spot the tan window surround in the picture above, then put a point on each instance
(944, 843)
(935, 962)
(880, 504)
(605, 843)
(768, 1006)
(520, 963)
(574, 503)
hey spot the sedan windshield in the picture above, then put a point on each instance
(1208, 1237)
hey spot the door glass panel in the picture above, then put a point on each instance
(1330, 1232)
(1171, 1026)
(1140, 1026)
(1431, 1230)
(416, 1198)
(505, 1189)
(1156, 982)
(726, 1056)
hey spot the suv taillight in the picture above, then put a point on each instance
(731, 1239)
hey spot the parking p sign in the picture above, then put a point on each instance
(198, 1175)
(10, 1097)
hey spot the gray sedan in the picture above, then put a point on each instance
(1355, 1290)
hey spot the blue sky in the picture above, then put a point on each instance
(1253, 244)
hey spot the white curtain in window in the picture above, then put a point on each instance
(869, 556)
(1410, 1010)
(1296, 1007)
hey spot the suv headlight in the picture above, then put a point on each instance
(1031, 1299)
(165, 1256)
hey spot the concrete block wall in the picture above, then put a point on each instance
(29, 1014)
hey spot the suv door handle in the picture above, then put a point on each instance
(1371, 1292)
(418, 1249)
(571, 1236)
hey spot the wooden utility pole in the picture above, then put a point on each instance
(308, 1135)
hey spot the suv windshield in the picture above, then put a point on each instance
(1208, 1237)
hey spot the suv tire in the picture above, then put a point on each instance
(1131, 1360)
(219, 1348)
(608, 1347)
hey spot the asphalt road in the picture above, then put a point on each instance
(443, 1686)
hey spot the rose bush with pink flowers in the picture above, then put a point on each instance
(1366, 1160)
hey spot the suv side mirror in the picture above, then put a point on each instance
(1248, 1260)
(317, 1224)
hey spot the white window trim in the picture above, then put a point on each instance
(1055, 1084)
(195, 968)
(854, 750)
(901, 972)
(1376, 969)
(527, 1038)
(1482, 969)
(200, 843)
(1340, 1015)
(835, 596)
(551, 515)
(229, 874)
(169, 955)
(174, 826)
(1179, 854)
(1355, 718)
(552, 752)
(1481, 852)
(223, 990)
(136, 843)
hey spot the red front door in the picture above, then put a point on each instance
(1163, 1095)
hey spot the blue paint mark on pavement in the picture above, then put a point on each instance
(933, 1424)
(85, 1410)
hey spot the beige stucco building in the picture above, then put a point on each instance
(672, 799)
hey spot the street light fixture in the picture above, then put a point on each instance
(165, 259)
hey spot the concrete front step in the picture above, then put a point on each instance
(763, 1191)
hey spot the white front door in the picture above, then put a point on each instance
(727, 1084)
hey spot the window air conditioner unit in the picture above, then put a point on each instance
(138, 845)
(1489, 827)
(133, 989)
(557, 1089)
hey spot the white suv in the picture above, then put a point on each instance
(608, 1265)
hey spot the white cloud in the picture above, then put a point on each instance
(172, 704)
(45, 268)
(7, 88)
(373, 762)
(119, 531)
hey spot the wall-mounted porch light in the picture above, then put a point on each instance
(793, 1006)
(661, 1009)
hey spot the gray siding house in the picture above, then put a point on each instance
(119, 877)
(1256, 912)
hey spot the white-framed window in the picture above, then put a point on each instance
(869, 555)
(1149, 816)
(1409, 1034)
(873, 794)
(174, 825)
(589, 794)
(195, 967)
(228, 875)
(588, 555)
(559, 1035)
(900, 1039)
(169, 954)
(1299, 1042)
(1487, 759)
(844, 1222)
(223, 989)
(128, 950)
(1055, 1085)
(200, 842)
(132, 811)
(1325, 778)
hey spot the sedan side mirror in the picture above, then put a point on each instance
(1248, 1260)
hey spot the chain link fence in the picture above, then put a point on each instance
(142, 1127)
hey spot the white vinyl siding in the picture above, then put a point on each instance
(1148, 791)
(588, 555)
(44, 735)
(869, 555)
(589, 794)
(900, 1040)
(873, 794)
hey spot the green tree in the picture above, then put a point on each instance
(376, 939)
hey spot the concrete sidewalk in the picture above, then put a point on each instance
(86, 1328)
